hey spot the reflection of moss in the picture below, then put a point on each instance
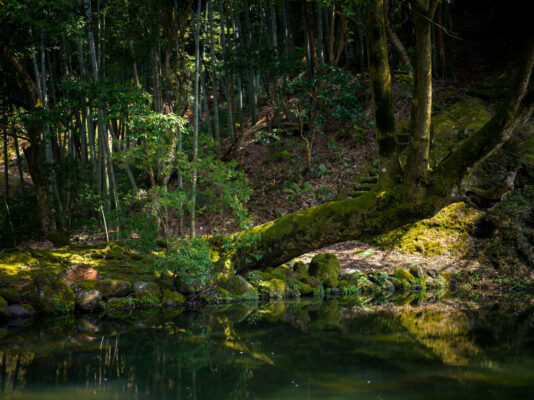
(445, 332)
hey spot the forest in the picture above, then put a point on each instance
(213, 139)
(248, 199)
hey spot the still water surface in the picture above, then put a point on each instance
(300, 350)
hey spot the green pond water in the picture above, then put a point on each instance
(336, 349)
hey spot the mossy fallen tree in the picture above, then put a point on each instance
(363, 218)
(404, 193)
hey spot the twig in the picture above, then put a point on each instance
(447, 32)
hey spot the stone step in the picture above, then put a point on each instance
(361, 187)
(357, 193)
(370, 179)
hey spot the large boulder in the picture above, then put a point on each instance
(88, 300)
(327, 268)
(81, 273)
(16, 312)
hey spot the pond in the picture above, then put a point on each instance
(335, 349)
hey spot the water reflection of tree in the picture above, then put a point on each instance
(239, 352)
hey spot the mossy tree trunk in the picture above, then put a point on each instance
(387, 206)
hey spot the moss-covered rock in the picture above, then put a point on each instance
(417, 272)
(29, 308)
(378, 278)
(303, 288)
(50, 295)
(222, 293)
(312, 281)
(401, 273)
(364, 285)
(119, 306)
(172, 299)
(279, 274)
(10, 294)
(400, 284)
(326, 267)
(196, 286)
(274, 289)
(238, 286)
(115, 288)
(301, 269)
(88, 300)
(146, 289)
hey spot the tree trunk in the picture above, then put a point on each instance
(215, 79)
(19, 166)
(6, 168)
(417, 168)
(309, 33)
(192, 212)
(361, 218)
(40, 186)
(380, 81)
(320, 43)
(251, 84)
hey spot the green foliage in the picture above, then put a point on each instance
(331, 94)
(350, 289)
(266, 137)
(243, 246)
(188, 259)
(60, 306)
(149, 301)
(318, 291)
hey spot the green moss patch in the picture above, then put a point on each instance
(447, 232)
